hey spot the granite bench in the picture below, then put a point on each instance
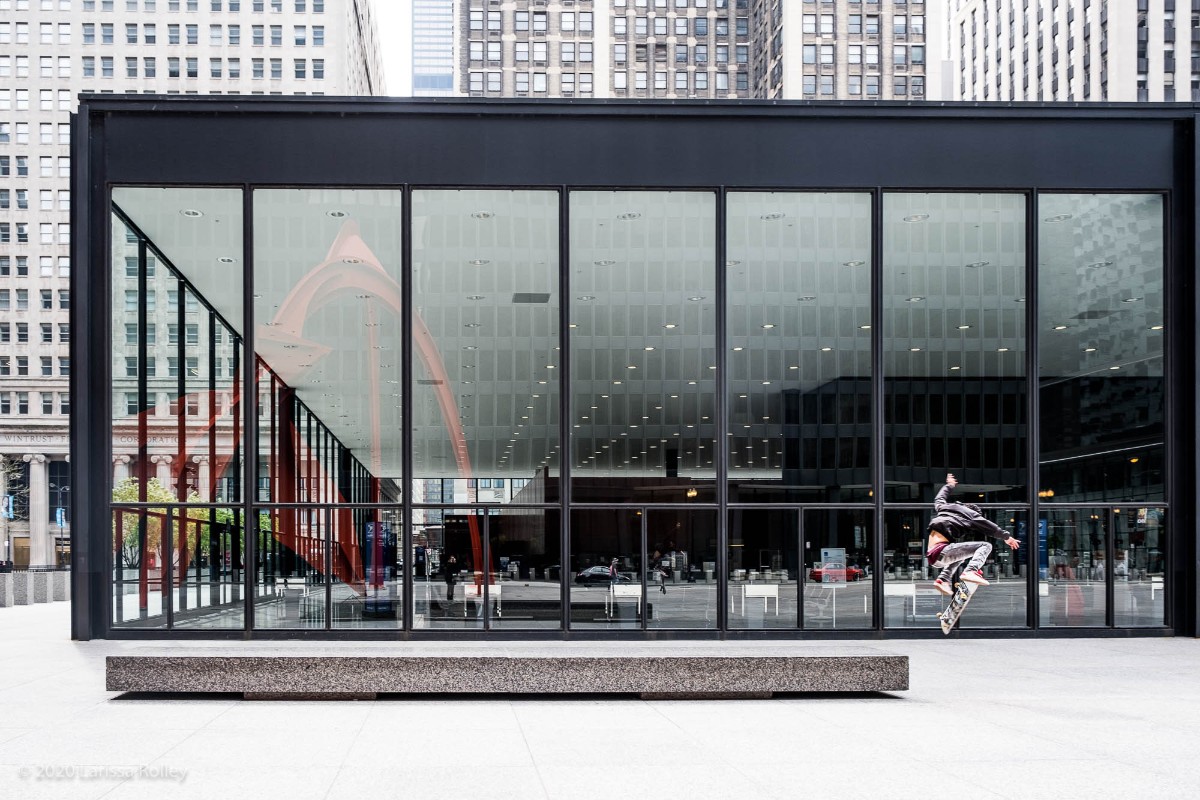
(653, 670)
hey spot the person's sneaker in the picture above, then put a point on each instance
(975, 576)
(943, 586)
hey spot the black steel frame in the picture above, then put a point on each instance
(263, 142)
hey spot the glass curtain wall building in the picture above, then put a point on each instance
(354, 374)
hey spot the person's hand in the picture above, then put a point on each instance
(1012, 542)
(951, 481)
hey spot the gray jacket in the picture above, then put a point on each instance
(958, 519)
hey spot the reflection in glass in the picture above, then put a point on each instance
(209, 568)
(523, 548)
(763, 567)
(1139, 566)
(449, 590)
(679, 542)
(367, 575)
(954, 341)
(140, 583)
(606, 578)
(1101, 331)
(643, 333)
(1072, 546)
(799, 312)
(327, 305)
(295, 555)
(485, 345)
(837, 568)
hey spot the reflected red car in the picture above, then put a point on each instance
(836, 572)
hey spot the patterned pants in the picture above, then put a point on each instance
(977, 552)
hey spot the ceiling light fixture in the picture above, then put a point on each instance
(226, 260)
(808, 298)
(670, 326)
(191, 213)
(977, 264)
(855, 263)
(732, 263)
(482, 214)
(1057, 218)
(696, 298)
(475, 297)
(1060, 327)
(478, 262)
(336, 214)
(916, 218)
(1132, 299)
(768, 325)
(964, 327)
(629, 215)
(586, 297)
(914, 299)
(772, 215)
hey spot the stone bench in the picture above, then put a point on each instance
(678, 670)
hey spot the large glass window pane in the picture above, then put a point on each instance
(1139, 566)
(799, 347)
(327, 305)
(140, 583)
(837, 568)
(679, 542)
(643, 335)
(485, 344)
(1072, 545)
(449, 588)
(367, 577)
(1101, 331)
(606, 577)
(209, 562)
(295, 555)
(526, 558)
(910, 600)
(763, 567)
(954, 344)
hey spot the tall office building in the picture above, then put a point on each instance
(432, 48)
(1091, 50)
(50, 51)
(671, 49)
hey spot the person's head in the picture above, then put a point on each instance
(452, 559)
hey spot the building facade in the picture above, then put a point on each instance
(433, 48)
(1095, 50)
(441, 389)
(50, 52)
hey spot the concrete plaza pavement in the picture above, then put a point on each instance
(1055, 719)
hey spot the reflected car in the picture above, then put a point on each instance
(599, 575)
(836, 572)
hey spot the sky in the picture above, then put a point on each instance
(393, 19)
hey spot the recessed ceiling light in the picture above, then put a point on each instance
(696, 298)
(793, 367)
(1089, 349)
(258, 296)
(732, 263)
(1156, 327)
(916, 218)
(648, 348)
(604, 262)
(628, 215)
(1098, 264)
(475, 297)
(192, 212)
(482, 214)
(808, 298)
(1114, 367)
(768, 325)
(1132, 299)
(864, 327)
(914, 299)
(964, 327)
(1060, 327)
(954, 368)
(336, 214)
(826, 349)
(738, 349)
(1018, 299)
(977, 264)
(632, 366)
(1057, 218)
(855, 263)
(616, 383)
(766, 383)
(914, 349)
(1001, 349)
(471, 325)
(478, 262)
(226, 260)
(670, 326)
(772, 215)
(470, 347)
(586, 297)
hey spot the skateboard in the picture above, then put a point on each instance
(963, 592)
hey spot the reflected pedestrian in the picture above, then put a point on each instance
(450, 572)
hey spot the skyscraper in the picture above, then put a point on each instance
(433, 48)
(50, 51)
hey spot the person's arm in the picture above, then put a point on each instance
(943, 495)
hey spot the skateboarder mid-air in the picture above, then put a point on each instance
(952, 521)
